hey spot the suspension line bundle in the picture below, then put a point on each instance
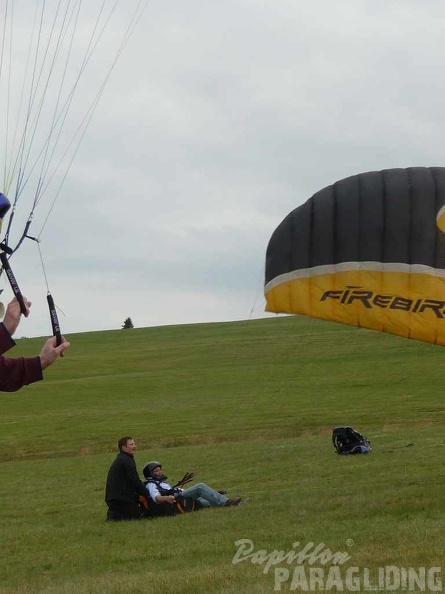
(45, 55)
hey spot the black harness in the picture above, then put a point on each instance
(181, 505)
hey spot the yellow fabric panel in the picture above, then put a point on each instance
(440, 219)
(410, 305)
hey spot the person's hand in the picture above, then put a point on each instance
(51, 351)
(13, 314)
(170, 499)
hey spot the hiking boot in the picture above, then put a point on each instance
(223, 492)
(235, 501)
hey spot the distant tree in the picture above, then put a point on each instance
(127, 324)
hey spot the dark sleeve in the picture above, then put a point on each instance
(6, 340)
(16, 372)
(133, 478)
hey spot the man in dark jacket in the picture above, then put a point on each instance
(123, 484)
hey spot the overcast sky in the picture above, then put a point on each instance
(218, 120)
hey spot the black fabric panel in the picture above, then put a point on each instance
(438, 175)
(323, 218)
(387, 216)
(302, 236)
(347, 220)
(372, 214)
(396, 221)
(423, 208)
(290, 245)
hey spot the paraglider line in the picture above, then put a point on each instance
(52, 308)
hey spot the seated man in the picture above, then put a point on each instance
(165, 495)
(123, 484)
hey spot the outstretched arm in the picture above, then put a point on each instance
(21, 371)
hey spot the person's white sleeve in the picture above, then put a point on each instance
(152, 491)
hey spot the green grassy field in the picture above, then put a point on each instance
(249, 406)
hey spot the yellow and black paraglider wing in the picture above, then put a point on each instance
(367, 251)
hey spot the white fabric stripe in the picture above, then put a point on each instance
(354, 267)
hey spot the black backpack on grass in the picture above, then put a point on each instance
(347, 440)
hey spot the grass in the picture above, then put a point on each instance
(249, 406)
